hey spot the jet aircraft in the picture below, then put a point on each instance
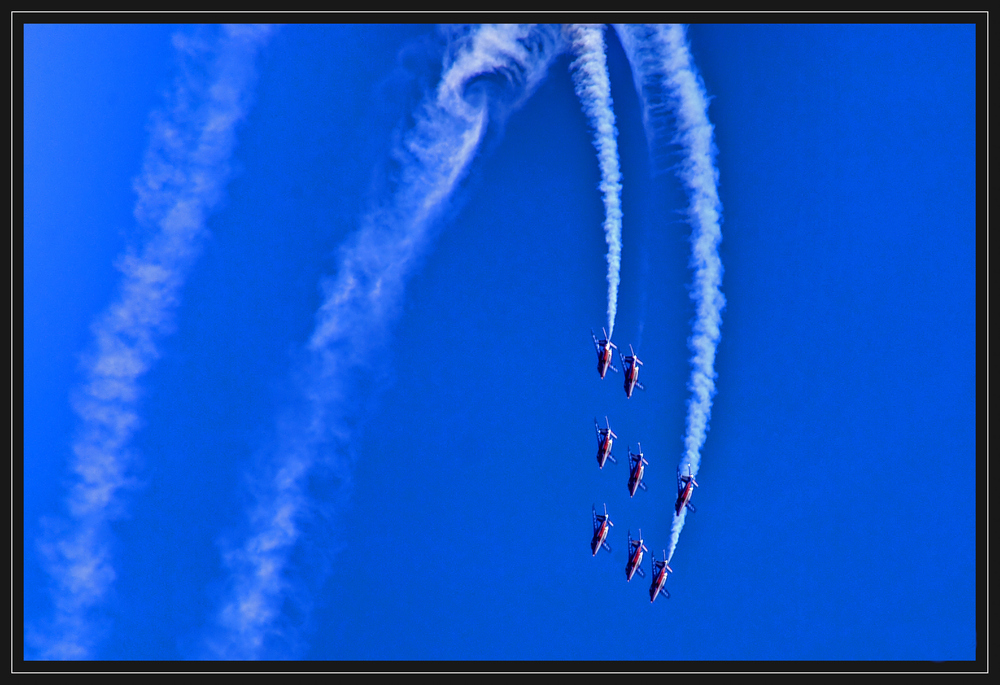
(636, 468)
(604, 439)
(603, 348)
(635, 550)
(660, 569)
(631, 365)
(685, 486)
(601, 526)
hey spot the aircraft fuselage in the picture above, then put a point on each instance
(604, 360)
(599, 537)
(633, 563)
(631, 378)
(658, 582)
(604, 450)
(684, 497)
(635, 478)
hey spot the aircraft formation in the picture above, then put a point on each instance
(637, 467)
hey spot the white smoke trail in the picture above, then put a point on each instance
(662, 65)
(488, 71)
(593, 87)
(183, 178)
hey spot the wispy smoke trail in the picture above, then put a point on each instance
(183, 179)
(487, 72)
(669, 84)
(593, 87)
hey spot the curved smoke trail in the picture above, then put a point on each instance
(488, 72)
(669, 84)
(593, 87)
(183, 179)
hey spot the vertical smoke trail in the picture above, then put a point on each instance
(488, 72)
(668, 83)
(183, 178)
(593, 87)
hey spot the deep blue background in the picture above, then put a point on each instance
(836, 508)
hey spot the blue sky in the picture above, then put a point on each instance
(442, 448)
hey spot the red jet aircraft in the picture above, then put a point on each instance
(601, 526)
(635, 550)
(660, 569)
(636, 467)
(685, 486)
(603, 348)
(604, 439)
(631, 365)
